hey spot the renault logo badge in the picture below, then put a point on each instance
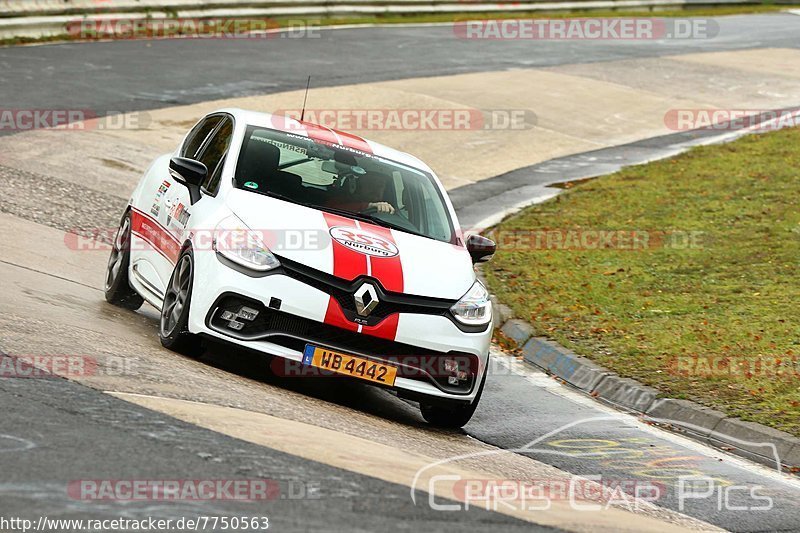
(366, 299)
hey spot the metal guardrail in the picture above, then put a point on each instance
(46, 18)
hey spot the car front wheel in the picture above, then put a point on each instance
(174, 324)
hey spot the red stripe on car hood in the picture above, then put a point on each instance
(350, 264)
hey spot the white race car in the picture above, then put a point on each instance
(336, 254)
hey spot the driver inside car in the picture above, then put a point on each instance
(369, 193)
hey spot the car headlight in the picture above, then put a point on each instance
(474, 308)
(235, 241)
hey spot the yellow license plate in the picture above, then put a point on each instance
(349, 365)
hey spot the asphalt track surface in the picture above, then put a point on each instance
(138, 75)
(519, 408)
(122, 441)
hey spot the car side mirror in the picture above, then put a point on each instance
(189, 173)
(480, 248)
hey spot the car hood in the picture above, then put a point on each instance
(348, 248)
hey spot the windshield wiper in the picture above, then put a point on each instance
(386, 224)
(350, 214)
(373, 220)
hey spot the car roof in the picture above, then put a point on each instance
(325, 134)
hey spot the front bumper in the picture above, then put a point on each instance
(291, 314)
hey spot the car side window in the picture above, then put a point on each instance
(198, 135)
(213, 156)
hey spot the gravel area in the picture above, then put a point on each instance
(59, 204)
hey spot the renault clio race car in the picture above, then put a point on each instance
(333, 253)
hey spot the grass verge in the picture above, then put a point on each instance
(701, 302)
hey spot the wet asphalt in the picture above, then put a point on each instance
(68, 431)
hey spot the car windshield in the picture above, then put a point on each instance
(342, 180)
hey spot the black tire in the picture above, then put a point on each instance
(117, 286)
(451, 416)
(173, 327)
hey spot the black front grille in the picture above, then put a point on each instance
(295, 332)
(271, 322)
(342, 291)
